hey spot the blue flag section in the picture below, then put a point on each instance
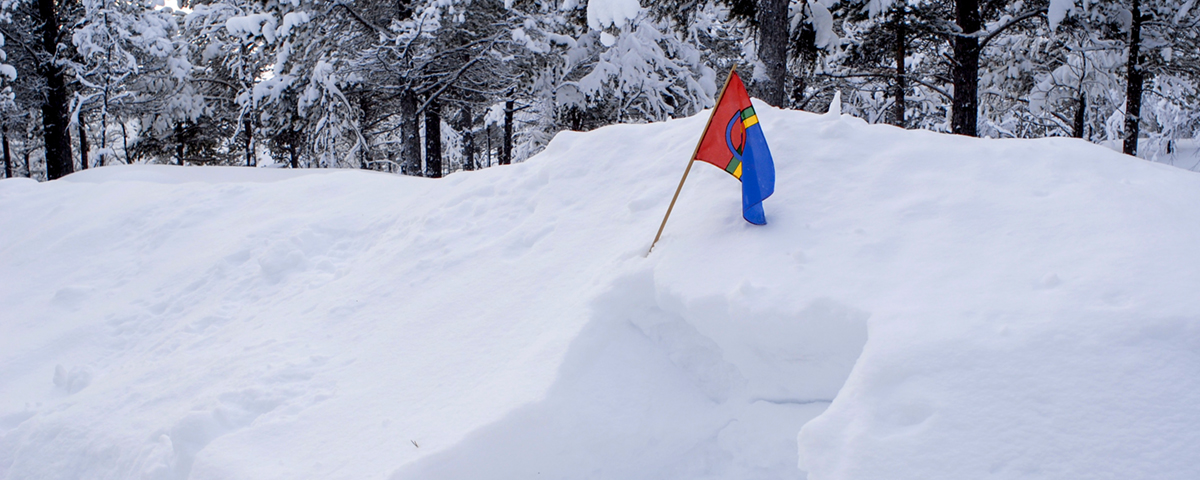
(758, 174)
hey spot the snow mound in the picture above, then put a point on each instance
(920, 306)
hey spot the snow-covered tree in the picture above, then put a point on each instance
(427, 87)
(892, 65)
(617, 63)
(36, 28)
(641, 71)
(8, 107)
(126, 50)
(1158, 41)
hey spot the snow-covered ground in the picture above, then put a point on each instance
(921, 306)
(1183, 153)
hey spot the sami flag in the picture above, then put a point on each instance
(734, 142)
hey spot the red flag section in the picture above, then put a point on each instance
(723, 133)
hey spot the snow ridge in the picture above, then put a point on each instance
(920, 306)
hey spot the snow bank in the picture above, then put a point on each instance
(944, 307)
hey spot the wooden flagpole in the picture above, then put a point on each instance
(691, 160)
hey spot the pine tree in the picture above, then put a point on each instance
(38, 28)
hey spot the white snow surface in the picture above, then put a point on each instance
(921, 306)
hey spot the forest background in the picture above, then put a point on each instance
(429, 87)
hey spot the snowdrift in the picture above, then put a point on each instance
(921, 306)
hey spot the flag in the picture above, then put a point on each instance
(734, 142)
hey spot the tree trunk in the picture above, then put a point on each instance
(249, 127)
(433, 139)
(25, 152)
(1134, 76)
(966, 69)
(1080, 112)
(364, 153)
(772, 17)
(487, 130)
(83, 146)
(104, 124)
(54, 111)
(7, 157)
(506, 154)
(179, 145)
(291, 146)
(574, 118)
(466, 125)
(901, 86)
(125, 142)
(366, 108)
(410, 138)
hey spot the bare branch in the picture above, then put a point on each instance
(354, 13)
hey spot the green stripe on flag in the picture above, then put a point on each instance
(732, 167)
(748, 112)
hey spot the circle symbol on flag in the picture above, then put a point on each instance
(729, 134)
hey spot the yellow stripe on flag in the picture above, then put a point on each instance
(749, 122)
(738, 172)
